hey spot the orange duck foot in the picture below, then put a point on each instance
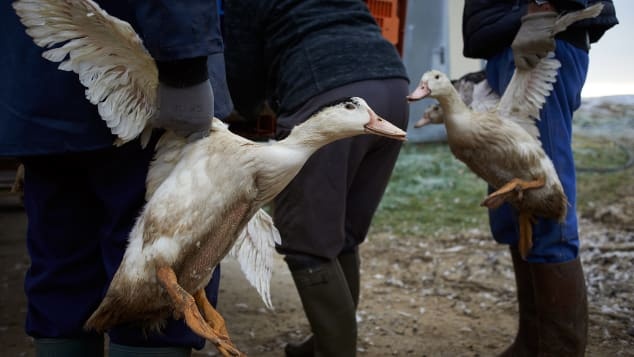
(514, 187)
(212, 327)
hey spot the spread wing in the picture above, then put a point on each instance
(119, 74)
(528, 90)
(526, 93)
(484, 98)
(254, 250)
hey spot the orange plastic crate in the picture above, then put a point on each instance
(386, 13)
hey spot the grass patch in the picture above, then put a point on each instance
(603, 172)
(431, 192)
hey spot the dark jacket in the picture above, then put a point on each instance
(288, 51)
(489, 26)
(44, 111)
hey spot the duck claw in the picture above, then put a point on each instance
(212, 327)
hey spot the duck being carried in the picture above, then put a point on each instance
(501, 145)
(204, 198)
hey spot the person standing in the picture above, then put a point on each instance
(551, 290)
(299, 55)
(81, 194)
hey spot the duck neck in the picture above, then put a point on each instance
(452, 106)
(313, 134)
(451, 103)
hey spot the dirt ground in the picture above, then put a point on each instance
(440, 296)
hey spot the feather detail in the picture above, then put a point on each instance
(169, 151)
(254, 250)
(527, 92)
(568, 19)
(119, 74)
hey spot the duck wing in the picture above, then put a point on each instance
(484, 97)
(526, 93)
(254, 250)
(570, 18)
(119, 74)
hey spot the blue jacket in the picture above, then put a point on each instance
(44, 111)
(489, 26)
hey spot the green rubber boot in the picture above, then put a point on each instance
(137, 351)
(69, 347)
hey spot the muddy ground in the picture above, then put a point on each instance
(446, 296)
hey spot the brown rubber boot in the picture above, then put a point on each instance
(562, 308)
(527, 339)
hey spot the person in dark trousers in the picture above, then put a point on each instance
(81, 194)
(551, 290)
(300, 55)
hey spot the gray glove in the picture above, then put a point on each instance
(534, 39)
(187, 111)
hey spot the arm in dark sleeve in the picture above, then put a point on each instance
(489, 26)
(244, 56)
(179, 35)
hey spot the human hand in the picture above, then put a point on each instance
(534, 39)
(187, 111)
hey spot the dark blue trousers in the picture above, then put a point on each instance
(80, 209)
(553, 242)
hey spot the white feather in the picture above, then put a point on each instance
(254, 250)
(120, 76)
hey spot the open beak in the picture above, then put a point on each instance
(421, 92)
(380, 126)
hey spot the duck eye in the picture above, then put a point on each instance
(350, 106)
(437, 76)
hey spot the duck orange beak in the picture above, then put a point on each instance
(421, 92)
(422, 121)
(382, 127)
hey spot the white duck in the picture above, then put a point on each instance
(201, 196)
(501, 145)
(475, 92)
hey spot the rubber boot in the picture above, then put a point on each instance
(68, 347)
(526, 341)
(350, 264)
(562, 308)
(117, 350)
(330, 310)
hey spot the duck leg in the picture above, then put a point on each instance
(185, 305)
(514, 187)
(212, 317)
(526, 234)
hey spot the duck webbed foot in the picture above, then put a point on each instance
(515, 187)
(211, 327)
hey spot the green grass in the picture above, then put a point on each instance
(601, 178)
(431, 192)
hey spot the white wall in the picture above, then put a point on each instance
(458, 64)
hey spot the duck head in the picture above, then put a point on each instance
(353, 116)
(433, 115)
(433, 84)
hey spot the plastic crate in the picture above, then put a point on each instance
(385, 13)
(390, 16)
